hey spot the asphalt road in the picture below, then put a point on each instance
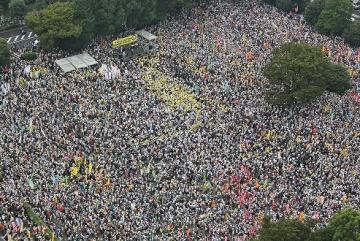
(14, 36)
(12, 32)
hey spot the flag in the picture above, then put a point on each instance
(31, 183)
(31, 126)
(28, 233)
(74, 171)
(90, 167)
(301, 216)
(188, 232)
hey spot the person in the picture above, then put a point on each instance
(157, 158)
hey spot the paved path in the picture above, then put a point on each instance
(12, 32)
(29, 36)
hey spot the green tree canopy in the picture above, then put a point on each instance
(313, 11)
(82, 19)
(4, 52)
(56, 24)
(301, 3)
(17, 8)
(299, 73)
(285, 5)
(285, 230)
(352, 33)
(335, 17)
(288, 5)
(345, 225)
(4, 3)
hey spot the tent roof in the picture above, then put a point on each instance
(147, 35)
(76, 62)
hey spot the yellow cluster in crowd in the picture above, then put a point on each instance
(192, 65)
(80, 163)
(174, 95)
(36, 71)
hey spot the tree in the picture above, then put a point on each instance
(285, 230)
(345, 225)
(4, 3)
(322, 234)
(352, 33)
(4, 52)
(313, 11)
(299, 73)
(335, 17)
(140, 13)
(84, 9)
(55, 25)
(338, 79)
(285, 5)
(301, 4)
(271, 2)
(288, 5)
(17, 8)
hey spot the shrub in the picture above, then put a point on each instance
(4, 52)
(17, 8)
(29, 56)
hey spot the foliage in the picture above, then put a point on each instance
(29, 56)
(285, 5)
(109, 16)
(17, 8)
(322, 234)
(27, 2)
(335, 17)
(301, 3)
(288, 5)
(55, 25)
(4, 3)
(299, 73)
(174, 6)
(37, 221)
(140, 13)
(4, 52)
(285, 230)
(40, 4)
(83, 19)
(338, 79)
(313, 11)
(352, 33)
(271, 2)
(345, 225)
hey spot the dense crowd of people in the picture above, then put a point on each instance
(7, 22)
(181, 145)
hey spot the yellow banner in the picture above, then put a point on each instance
(124, 41)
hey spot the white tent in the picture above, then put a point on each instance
(146, 35)
(75, 62)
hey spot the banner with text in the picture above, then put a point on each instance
(124, 41)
